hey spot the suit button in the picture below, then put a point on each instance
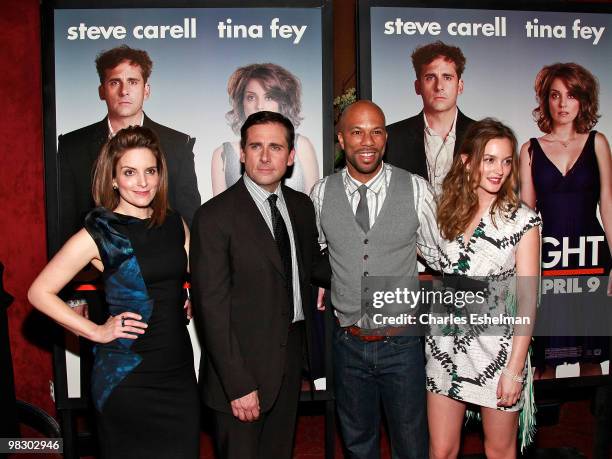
(367, 303)
(366, 274)
(365, 257)
(365, 241)
(366, 290)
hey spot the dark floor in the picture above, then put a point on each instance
(574, 433)
(570, 438)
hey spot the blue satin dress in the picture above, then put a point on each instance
(145, 390)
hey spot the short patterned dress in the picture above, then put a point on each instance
(468, 366)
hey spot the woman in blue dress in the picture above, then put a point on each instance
(143, 382)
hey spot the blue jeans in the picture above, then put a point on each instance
(368, 373)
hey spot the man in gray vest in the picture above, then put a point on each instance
(373, 217)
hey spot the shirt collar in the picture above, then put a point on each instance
(112, 133)
(451, 133)
(374, 184)
(261, 194)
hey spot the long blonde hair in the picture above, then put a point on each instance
(458, 202)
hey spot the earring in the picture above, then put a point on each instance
(115, 187)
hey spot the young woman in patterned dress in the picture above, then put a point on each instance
(485, 232)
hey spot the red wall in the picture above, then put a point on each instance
(22, 212)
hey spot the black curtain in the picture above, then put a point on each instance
(8, 411)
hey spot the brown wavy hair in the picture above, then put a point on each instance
(581, 84)
(282, 85)
(105, 170)
(426, 54)
(110, 59)
(458, 202)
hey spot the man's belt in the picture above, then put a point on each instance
(373, 335)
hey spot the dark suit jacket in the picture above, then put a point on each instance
(77, 152)
(406, 143)
(239, 292)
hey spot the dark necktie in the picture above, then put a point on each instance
(362, 214)
(284, 247)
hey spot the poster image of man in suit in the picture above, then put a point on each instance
(253, 250)
(124, 73)
(425, 143)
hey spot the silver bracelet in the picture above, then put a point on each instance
(512, 376)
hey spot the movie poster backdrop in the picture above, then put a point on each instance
(505, 49)
(194, 51)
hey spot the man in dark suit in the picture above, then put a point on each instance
(426, 143)
(253, 250)
(124, 74)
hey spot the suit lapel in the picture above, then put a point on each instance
(148, 122)
(296, 227)
(252, 224)
(419, 136)
(463, 123)
(99, 138)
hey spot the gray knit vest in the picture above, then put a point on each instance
(387, 249)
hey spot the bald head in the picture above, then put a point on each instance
(362, 136)
(359, 106)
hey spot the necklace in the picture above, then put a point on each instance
(565, 143)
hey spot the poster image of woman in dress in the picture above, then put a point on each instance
(253, 88)
(565, 174)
